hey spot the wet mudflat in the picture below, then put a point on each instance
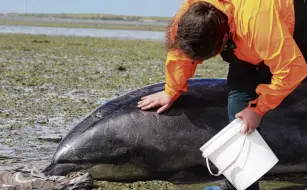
(47, 84)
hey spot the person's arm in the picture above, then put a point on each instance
(177, 71)
(276, 46)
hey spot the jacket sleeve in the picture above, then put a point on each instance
(276, 46)
(177, 71)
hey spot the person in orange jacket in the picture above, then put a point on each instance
(264, 42)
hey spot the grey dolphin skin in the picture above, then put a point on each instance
(118, 141)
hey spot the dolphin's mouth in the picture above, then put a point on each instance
(128, 172)
(109, 172)
(63, 169)
(122, 172)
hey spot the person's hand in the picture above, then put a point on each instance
(154, 100)
(250, 118)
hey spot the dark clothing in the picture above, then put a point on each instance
(244, 76)
(300, 29)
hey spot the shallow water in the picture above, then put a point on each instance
(105, 33)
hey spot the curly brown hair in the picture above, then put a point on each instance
(201, 32)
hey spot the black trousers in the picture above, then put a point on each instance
(243, 77)
(300, 30)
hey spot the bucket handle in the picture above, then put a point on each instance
(230, 164)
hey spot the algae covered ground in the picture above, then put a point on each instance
(48, 83)
(70, 76)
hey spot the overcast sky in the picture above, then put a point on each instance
(125, 7)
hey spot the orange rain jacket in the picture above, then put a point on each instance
(262, 31)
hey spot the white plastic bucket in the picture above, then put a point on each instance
(242, 159)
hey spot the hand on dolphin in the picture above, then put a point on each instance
(250, 118)
(154, 100)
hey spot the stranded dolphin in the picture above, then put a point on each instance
(118, 141)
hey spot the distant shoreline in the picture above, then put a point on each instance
(98, 21)
(96, 16)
